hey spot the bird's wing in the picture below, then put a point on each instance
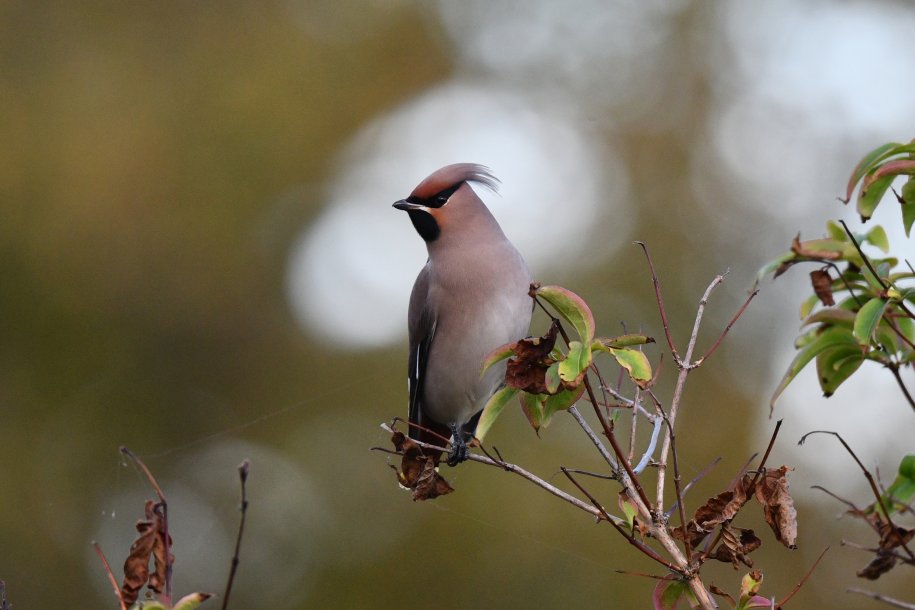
(421, 325)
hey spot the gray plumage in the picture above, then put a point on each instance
(471, 297)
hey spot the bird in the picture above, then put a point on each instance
(470, 298)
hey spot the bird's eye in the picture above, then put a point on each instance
(442, 197)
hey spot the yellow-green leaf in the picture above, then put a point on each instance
(191, 602)
(532, 407)
(576, 363)
(867, 319)
(831, 337)
(551, 378)
(877, 236)
(627, 340)
(560, 402)
(492, 410)
(572, 308)
(636, 364)
(497, 355)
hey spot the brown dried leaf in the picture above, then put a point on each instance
(736, 545)
(417, 470)
(882, 563)
(526, 370)
(822, 286)
(721, 508)
(150, 543)
(808, 249)
(778, 506)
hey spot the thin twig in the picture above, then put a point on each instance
(762, 464)
(679, 493)
(652, 443)
(870, 480)
(801, 582)
(573, 410)
(110, 574)
(678, 389)
(630, 536)
(896, 603)
(905, 391)
(727, 328)
(243, 469)
(693, 481)
(657, 292)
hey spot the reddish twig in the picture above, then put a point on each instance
(630, 536)
(728, 327)
(801, 582)
(110, 574)
(657, 292)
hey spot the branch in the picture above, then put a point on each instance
(896, 603)
(243, 507)
(657, 294)
(728, 327)
(678, 389)
(573, 410)
(111, 578)
(628, 536)
(800, 583)
(873, 484)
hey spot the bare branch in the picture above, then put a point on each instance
(728, 327)
(801, 582)
(660, 301)
(896, 603)
(111, 578)
(243, 469)
(573, 410)
(630, 536)
(870, 479)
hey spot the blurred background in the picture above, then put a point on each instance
(199, 260)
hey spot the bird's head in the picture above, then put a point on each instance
(445, 203)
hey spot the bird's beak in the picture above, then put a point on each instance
(407, 206)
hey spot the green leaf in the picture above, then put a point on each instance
(832, 315)
(492, 410)
(576, 363)
(831, 337)
(908, 204)
(902, 491)
(877, 236)
(532, 407)
(636, 364)
(870, 195)
(867, 319)
(836, 231)
(773, 265)
(836, 365)
(866, 164)
(668, 593)
(192, 601)
(621, 341)
(572, 308)
(551, 378)
(497, 355)
(560, 402)
(808, 305)
(149, 605)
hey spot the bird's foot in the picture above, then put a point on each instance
(459, 449)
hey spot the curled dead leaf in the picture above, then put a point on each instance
(150, 544)
(418, 470)
(822, 286)
(736, 546)
(778, 506)
(717, 510)
(526, 370)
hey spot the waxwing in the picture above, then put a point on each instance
(469, 298)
